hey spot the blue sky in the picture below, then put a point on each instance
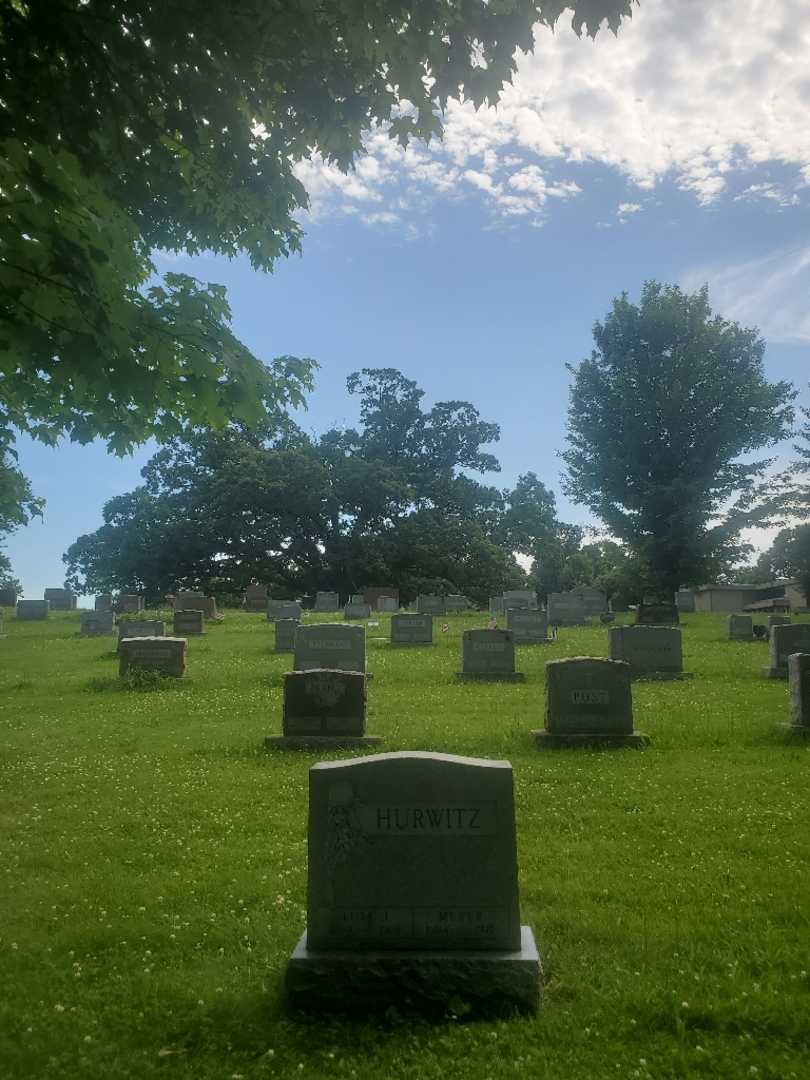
(678, 151)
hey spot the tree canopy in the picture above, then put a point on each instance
(662, 421)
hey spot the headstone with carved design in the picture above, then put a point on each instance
(323, 709)
(589, 702)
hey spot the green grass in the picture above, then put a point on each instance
(153, 867)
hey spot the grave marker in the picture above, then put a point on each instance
(95, 623)
(651, 651)
(323, 709)
(489, 654)
(8, 597)
(28, 610)
(285, 634)
(165, 655)
(519, 599)
(740, 628)
(255, 598)
(188, 621)
(330, 645)
(103, 602)
(140, 628)
(327, 602)
(60, 599)
(564, 609)
(496, 605)
(431, 604)
(283, 609)
(799, 678)
(784, 639)
(657, 614)
(130, 603)
(589, 702)
(356, 611)
(411, 629)
(387, 604)
(529, 627)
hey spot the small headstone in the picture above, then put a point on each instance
(529, 627)
(659, 614)
(740, 628)
(778, 620)
(685, 599)
(165, 655)
(564, 609)
(283, 609)
(356, 611)
(130, 603)
(188, 622)
(255, 598)
(430, 604)
(411, 629)
(324, 709)
(784, 640)
(104, 602)
(496, 605)
(589, 701)
(28, 610)
(60, 599)
(327, 602)
(489, 654)
(140, 628)
(387, 605)
(652, 651)
(285, 634)
(799, 678)
(412, 896)
(330, 645)
(94, 623)
(8, 597)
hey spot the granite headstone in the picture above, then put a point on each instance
(589, 701)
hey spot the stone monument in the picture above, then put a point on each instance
(799, 679)
(255, 598)
(164, 655)
(740, 628)
(355, 610)
(283, 609)
(28, 610)
(96, 623)
(654, 652)
(411, 629)
(529, 627)
(330, 645)
(103, 602)
(564, 609)
(60, 599)
(489, 654)
(140, 628)
(285, 634)
(430, 604)
(188, 621)
(130, 604)
(327, 602)
(589, 702)
(784, 639)
(8, 597)
(323, 709)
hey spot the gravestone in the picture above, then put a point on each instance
(778, 620)
(330, 645)
(430, 604)
(60, 599)
(411, 629)
(380, 597)
(28, 610)
(489, 654)
(387, 604)
(140, 628)
(740, 628)
(785, 639)
(130, 604)
(456, 602)
(283, 609)
(196, 601)
(799, 678)
(323, 709)
(657, 614)
(165, 655)
(589, 702)
(356, 598)
(529, 627)
(651, 651)
(412, 895)
(255, 598)
(496, 605)
(285, 634)
(94, 623)
(104, 602)
(519, 599)
(594, 601)
(565, 610)
(188, 621)
(327, 602)
(8, 597)
(356, 611)
(685, 599)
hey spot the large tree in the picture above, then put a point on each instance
(662, 421)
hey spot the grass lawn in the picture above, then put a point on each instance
(153, 869)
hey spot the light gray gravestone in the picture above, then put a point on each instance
(778, 620)
(140, 628)
(784, 639)
(327, 602)
(356, 598)
(411, 629)
(489, 654)
(330, 645)
(104, 602)
(357, 611)
(8, 597)
(28, 610)
(255, 598)
(95, 623)
(130, 603)
(564, 609)
(519, 599)
(657, 615)
(799, 679)
(412, 894)
(529, 627)
(188, 621)
(740, 628)
(594, 601)
(283, 609)
(456, 602)
(285, 634)
(165, 655)
(323, 709)
(387, 605)
(430, 604)
(589, 702)
(60, 599)
(654, 652)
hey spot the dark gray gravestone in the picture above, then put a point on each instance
(412, 895)
(529, 627)
(95, 623)
(285, 634)
(589, 702)
(799, 678)
(651, 651)
(28, 610)
(283, 609)
(188, 621)
(60, 599)
(355, 610)
(140, 628)
(130, 603)
(411, 629)
(496, 605)
(740, 628)
(685, 599)
(657, 615)
(8, 597)
(330, 645)
(565, 609)
(104, 602)
(164, 655)
(428, 604)
(778, 620)
(456, 602)
(322, 710)
(327, 602)
(489, 654)
(519, 600)
(255, 598)
(388, 605)
(784, 639)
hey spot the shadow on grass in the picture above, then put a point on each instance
(142, 681)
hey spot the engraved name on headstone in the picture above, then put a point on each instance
(588, 702)
(330, 645)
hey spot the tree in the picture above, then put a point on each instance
(787, 557)
(660, 415)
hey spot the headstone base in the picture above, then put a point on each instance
(321, 742)
(775, 673)
(662, 676)
(430, 980)
(546, 740)
(491, 676)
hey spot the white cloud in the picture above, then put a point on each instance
(693, 92)
(626, 209)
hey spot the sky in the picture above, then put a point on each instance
(678, 150)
